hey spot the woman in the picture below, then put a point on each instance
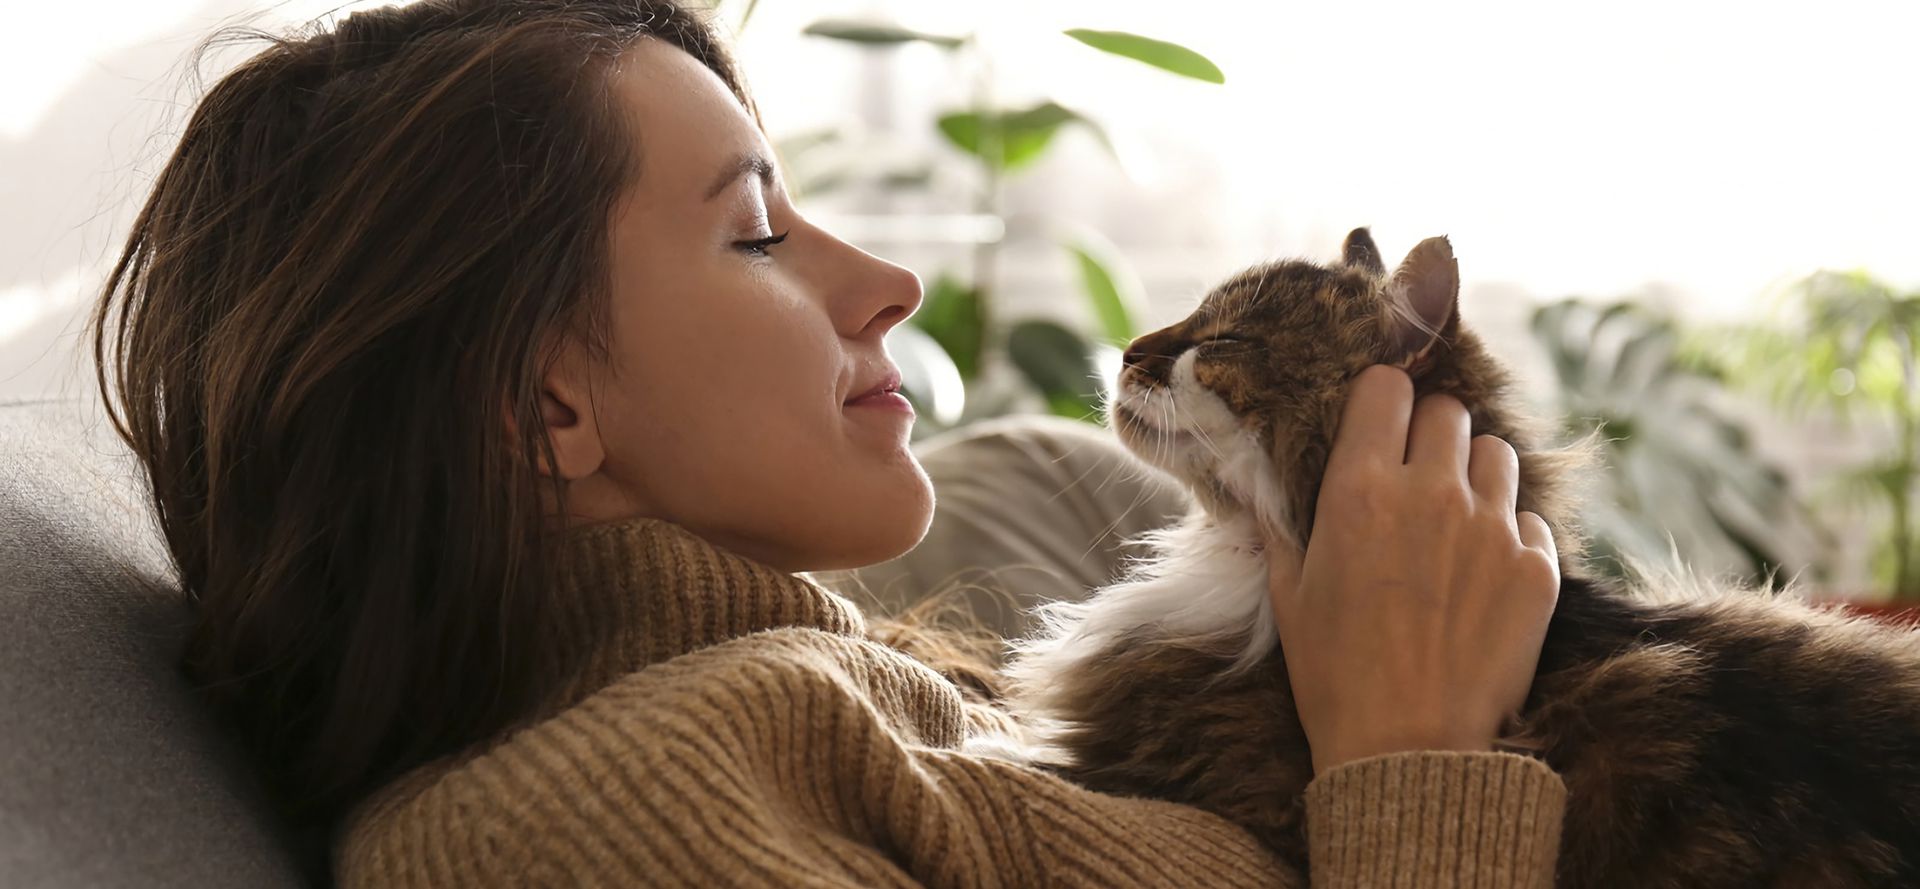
(492, 393)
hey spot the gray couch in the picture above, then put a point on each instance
(110, 775)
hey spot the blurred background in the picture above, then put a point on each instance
(1691, 227)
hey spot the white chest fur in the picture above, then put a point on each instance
(1206, 584)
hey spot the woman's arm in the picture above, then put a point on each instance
(772, 761)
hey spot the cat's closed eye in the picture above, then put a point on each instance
(1216, 343)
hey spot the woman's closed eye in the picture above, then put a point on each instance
(758, 246)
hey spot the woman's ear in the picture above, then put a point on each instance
(566, 414)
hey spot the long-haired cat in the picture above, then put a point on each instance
(1706, 741)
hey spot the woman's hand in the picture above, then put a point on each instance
(1415, 617)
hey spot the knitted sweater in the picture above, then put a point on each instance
(716, 722)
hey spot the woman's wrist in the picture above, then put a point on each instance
(1340, 754)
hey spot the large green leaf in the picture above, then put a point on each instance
(1112, 305)
(1059, 364)
(1008, 140)
(953, 315)
(874, 33)
(1158, 53)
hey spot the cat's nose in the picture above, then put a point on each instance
(1149, 355)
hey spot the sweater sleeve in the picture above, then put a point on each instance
(1436, 819)
(753, 773)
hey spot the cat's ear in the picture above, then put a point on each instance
(1423, 305)
(1359, 254)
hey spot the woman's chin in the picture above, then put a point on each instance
(902, 516)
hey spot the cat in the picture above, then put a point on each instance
(1718, 739)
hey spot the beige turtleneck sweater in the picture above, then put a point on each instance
(715, 722)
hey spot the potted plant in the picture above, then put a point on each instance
(1680, 478)
(957, 334)
(1847, 348)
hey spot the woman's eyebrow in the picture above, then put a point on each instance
(740, 166)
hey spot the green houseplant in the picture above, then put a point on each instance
(1844, 343)
(1681, 478)
(958, 334)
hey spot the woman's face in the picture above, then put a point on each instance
(732, 407)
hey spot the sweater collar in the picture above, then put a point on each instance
(640, 591)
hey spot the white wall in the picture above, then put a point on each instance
(1712, 148)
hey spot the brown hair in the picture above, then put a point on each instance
(348, 275)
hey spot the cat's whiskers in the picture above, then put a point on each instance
(1131, 471)
(1111, 401)
(1163, 438)
(1141, 494)
(1174, 429)
(1199, 434)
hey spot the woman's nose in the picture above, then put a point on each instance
(889, 292)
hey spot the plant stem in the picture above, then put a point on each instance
(986, 200)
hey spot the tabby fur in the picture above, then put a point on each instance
(1710, 737)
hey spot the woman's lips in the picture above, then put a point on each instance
(885, 399)
(884, 393)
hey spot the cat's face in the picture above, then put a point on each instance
(1241, 399)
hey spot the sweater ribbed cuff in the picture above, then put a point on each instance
(1435, 818)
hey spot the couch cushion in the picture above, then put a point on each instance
(1030, 509)
(110, 774)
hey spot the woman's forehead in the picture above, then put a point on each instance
(688, 124)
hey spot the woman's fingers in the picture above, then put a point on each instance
(1534, 534)
(1413, 622)
(1494, 472)
(1373, 424)
(1438, 437)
